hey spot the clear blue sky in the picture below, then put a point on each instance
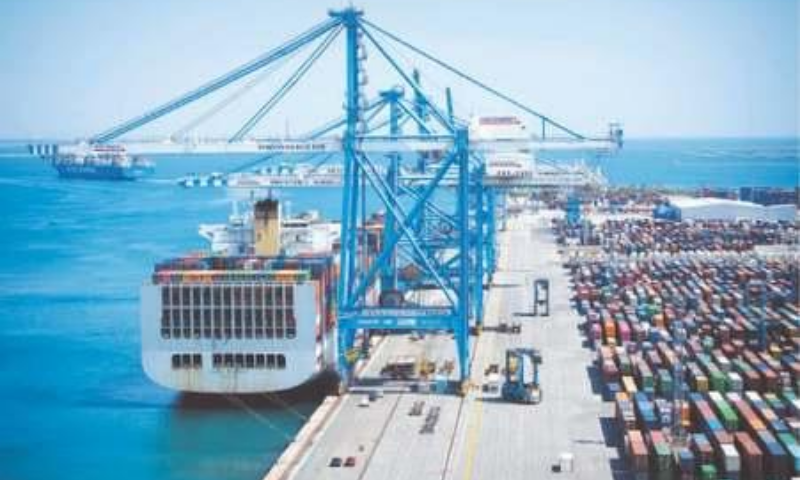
(663, 68)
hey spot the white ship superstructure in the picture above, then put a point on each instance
(508, 147)
(521, 167)
(302, 234)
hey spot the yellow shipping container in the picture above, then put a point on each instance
(629, 384)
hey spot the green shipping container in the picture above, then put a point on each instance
(663, 458)
(718, 382)
(647, 382)
(708, 472)
(664, 382)
(728, 416)
(625, 365)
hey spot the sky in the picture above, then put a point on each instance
(677, 68)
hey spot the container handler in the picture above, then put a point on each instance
(516, 388)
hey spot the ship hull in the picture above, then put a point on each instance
(232, 381)
(236, 365)
(98, 172)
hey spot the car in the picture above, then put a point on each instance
(350, 462)
(335, 462)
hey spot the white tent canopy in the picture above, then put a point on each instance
(724, 209)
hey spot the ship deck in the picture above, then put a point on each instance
(479, 436)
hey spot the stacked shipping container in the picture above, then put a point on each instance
(741, 407)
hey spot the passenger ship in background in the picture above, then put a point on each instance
(256, 315)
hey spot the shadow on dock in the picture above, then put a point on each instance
(594, 379)
(613, 439)
(505, 285)
(611, 433)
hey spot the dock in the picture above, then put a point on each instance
(479, 435)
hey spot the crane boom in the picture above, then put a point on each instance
(371, 143)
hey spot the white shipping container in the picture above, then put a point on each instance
(566, 461)
(737, 385)
(734, 397)
(731, 459)
(723, 362)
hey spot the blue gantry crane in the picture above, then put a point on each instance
(400, 147)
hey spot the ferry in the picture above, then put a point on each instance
(283, 175)
(97, 162)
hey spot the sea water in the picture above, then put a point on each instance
(693, 163)
(74, 402)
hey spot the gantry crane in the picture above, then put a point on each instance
(439, 228)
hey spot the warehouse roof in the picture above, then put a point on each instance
(689, 202)
(709, 208)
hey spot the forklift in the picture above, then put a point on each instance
(516, 389)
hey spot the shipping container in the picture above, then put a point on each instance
(636, 450)
(684, 459)
(751, 456)
(660, 455)
(777, 464)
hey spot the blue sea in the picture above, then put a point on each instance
(695, 163)
(74, 401)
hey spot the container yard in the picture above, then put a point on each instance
(648, 236)
(700, 354)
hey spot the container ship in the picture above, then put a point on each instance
(100, 162)
(257, 314)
